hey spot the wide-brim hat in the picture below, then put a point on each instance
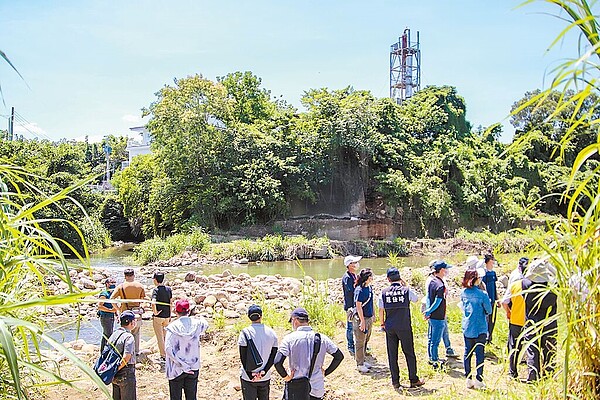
(471, 262)
(540, 271)
(351, 259)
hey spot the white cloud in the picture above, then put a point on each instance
(30, 130)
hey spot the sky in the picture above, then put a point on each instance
(89, 67)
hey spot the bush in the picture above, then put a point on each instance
(158, 249)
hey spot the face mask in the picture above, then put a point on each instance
(112, 286)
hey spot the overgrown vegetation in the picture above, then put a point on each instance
(514, 241)
(162, 249)
(28, 256)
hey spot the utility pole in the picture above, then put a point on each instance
(11, 124)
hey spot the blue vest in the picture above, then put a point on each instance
(396, 303)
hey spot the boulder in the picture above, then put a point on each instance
(201, 279)
(230, 314)
(88, 283)
(209, 301)
(226, 273)
(190, 276)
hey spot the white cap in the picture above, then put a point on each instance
(471, 262)
(351, 259)
(480, 272)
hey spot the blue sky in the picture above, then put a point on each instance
(92, 65)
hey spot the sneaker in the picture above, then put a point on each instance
(451, 354)
(366, 364)
(477, 384)
(362, 368)
(470, 383)
(396, 385)
(417, 384)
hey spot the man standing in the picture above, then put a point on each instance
(541, 326)
(436, 313)
(255, 382)
(348, 280)
(106, 312)
(182, 347)
(394, 313)
(162, 298)
(514, 305)
(134, 291)
(124, 382)
(299, 347)
(490, 280)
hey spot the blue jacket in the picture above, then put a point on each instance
(348, 288)
(476, 305)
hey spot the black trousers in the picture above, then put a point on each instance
(124, 384)
(404, 338)
(255, 390)
(514, 348)
(541, 352)
(491, 321)
(188, 383)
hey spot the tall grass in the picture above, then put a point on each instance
(162, 249)
(575, 246)
(28, 254)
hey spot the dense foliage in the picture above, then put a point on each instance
(225, 153)
(55, 166)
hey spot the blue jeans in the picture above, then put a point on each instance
(436, 327)
(350, 336)
(445, 339)
(476, 345)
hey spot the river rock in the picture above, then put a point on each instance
(222, 295)
(78, 344)
(209, 301)
(243, 276)
(201, 279)
(190, 276)
(243, 261)
(88, 283)
(226, 273)
(230, 314)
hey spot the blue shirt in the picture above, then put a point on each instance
(476, 305)
(365, 296)
(490, 279)
(348, 288)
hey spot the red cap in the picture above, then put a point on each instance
(182, 305)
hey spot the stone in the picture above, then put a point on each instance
(226, 273)
(243, 261)
(201, 279)
(209, 301)
(190, 276)
(230, 314)
(78, 344)
(221, 295)
(88, 283)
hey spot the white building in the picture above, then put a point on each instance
(138, 147)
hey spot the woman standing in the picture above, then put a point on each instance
(476, 306)
(363, 321)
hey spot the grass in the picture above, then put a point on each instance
(162, 249)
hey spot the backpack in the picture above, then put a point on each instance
(108, 363)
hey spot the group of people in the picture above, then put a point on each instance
(529, 305)
(530, 308)
(178, 343)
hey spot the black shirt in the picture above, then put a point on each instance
(540, 302)
(162, 294)
(437, 289)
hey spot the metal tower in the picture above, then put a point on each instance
(405, 67)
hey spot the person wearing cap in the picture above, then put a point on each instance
(513, 303)
(162, 299)
(134, 291)
(541, 326)
(450, 353)
(351, 263)
(299, 346)
(106, 311)
(394, 313)
(490, 280)
(363, 320)
(518, 273)
(256, 383)
(476, 305)
(436, 312)
(124, 382)
(182, 348)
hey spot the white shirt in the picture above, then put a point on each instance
(264, 339)
(298, 348)
(182, 345)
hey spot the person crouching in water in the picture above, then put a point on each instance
(182, 348)
(476, 305)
